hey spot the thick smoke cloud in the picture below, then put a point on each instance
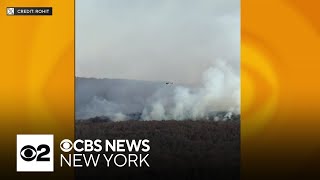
(193, 43)
(220, 92)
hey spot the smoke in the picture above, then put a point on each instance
(100, 107)
(152, 39)
(177, 41)
(220, 92)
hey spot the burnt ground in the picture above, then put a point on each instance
(179, 149)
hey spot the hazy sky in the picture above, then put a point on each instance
(169, 40)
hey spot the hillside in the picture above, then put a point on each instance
(127, 96)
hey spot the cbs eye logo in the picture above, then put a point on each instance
(35, 153)
(29, 153)
(66, 145)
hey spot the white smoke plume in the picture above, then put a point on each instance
(220, 92)
(139, 100)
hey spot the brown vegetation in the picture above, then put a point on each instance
(199, 149)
